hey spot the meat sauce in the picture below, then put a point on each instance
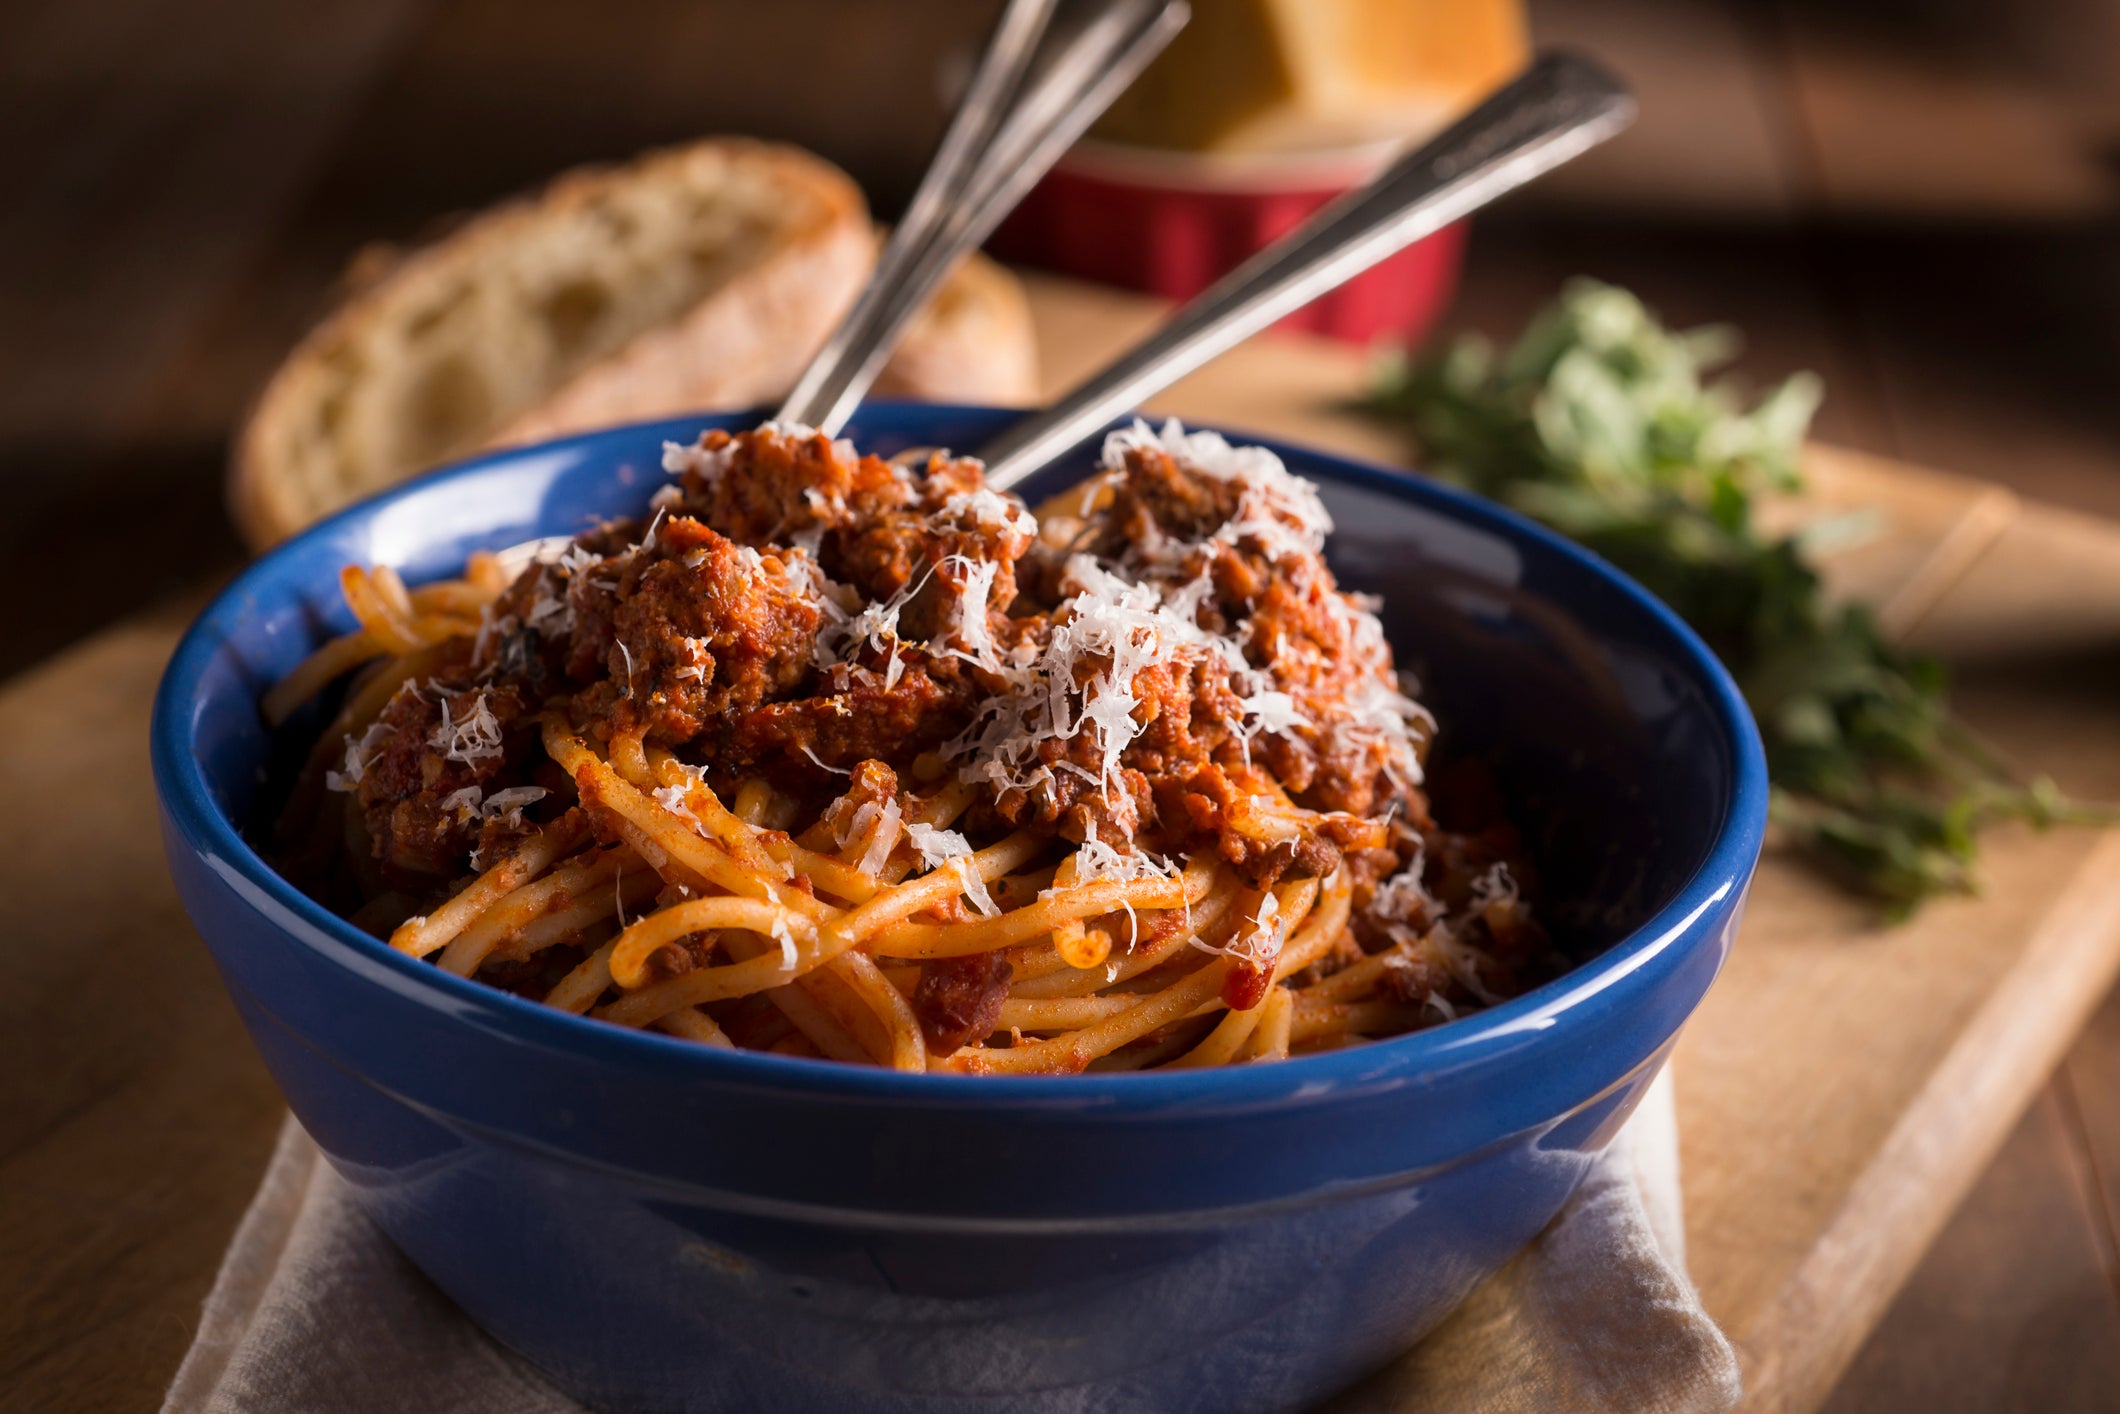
(1164, 664)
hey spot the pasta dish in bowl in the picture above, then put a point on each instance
(860, 759)
(1091, 862)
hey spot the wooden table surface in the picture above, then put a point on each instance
(1899, 1055)
(188, 175)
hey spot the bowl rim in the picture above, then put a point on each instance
(1480, 1041)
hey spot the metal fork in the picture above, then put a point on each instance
(1026, 103)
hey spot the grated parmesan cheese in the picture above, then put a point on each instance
(673, 799)
(1098, 862)
(1122, 628)
(707, 465)
(1463, 962)
(1494, 886)
(360, 755)
(578, 561)
(474, 738)
(698, 651)
(511, 802)
(1270, 711)
(988, 509)
(875, 626)
(879, 822)
(647, 539)
(835, 770)
(1260, 944)
(549, 613)
(883, 836)
(501, 805)
(1278, 511)
(939, 848)
(968, 613)
(1403, 899)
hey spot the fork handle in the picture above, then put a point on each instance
(1029, 99)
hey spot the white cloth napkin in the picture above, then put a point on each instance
(315, 1311)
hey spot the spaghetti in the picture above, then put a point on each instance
(834, 756)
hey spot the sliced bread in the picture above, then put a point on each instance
(702, 276)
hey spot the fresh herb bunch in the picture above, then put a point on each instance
(1598, 423)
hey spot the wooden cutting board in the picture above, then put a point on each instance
(1841, 1088)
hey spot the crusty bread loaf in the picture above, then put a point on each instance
(973, 343)
(702, 276)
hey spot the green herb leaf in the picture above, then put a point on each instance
(1599, 422)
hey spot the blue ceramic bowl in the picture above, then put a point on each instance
(663, 1226)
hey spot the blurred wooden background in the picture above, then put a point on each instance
(1918, 198)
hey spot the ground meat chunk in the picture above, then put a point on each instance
(762, 490)
(438, 750)
(536, 975)
(1349, 752)
(857, 715)
(1157, 503)
(688, 626)
(951, 535)
(1258, 836)
(1076, 806)
(524, 635)
(958, 999)
(879, 528)
(1242, 550)
(1185, 714)
(1417, 976)
(681, 955)
(870, 784)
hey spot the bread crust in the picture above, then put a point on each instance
(740, 344)
(973, 343)
(736, 345)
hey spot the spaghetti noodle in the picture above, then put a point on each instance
(841, 757)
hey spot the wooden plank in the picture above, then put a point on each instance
(1909, 518)
(1991, 111)
(1706, 141)
(2092, 1078)
(177, 128)
(2009, 1310)
(164, 139)
(1798, 1249)
(1898, 134)
(129, 1160)
(2000, 613)
(1988, 333)
(1939, 117)
(2025, 403)
(1912, 294)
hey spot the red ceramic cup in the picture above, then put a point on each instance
(1171, 223)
